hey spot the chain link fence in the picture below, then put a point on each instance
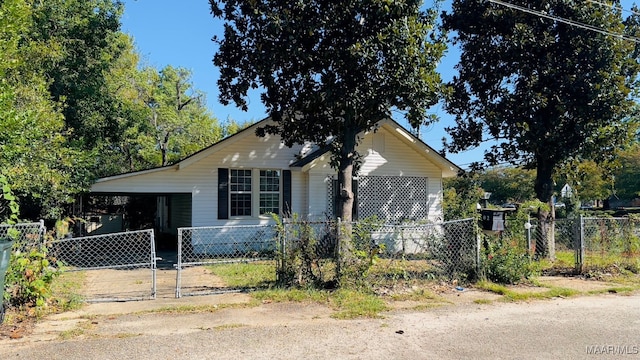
(206, 254)
(126, 260)
(24, 235)
(608, 244)
(586, 244)
(218, 259)
(423, 251)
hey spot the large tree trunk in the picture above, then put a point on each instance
(544, 191)
(346, 200)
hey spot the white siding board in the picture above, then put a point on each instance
(396, 159)
(385, 154)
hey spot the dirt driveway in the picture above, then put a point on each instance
(222, 328)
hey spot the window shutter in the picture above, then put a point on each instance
(286, 193)
(223, 193)
(354, 210)
(334, 185)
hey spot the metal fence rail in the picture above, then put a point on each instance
(127, 262)
(219, 245)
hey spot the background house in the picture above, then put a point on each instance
(243, 178)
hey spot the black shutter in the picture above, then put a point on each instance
(334, 184)
(286, 193)
(354, 210)
(223, 193)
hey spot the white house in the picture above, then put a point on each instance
(243, 178)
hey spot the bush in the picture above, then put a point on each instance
(303, 254)
(29, 278)
(504, 261)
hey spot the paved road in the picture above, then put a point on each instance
(577, 328)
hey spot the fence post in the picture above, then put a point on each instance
(179, 263)
(154, 266)
(338, 241)
(282, 262)
(478, 248)
(527, 227)
(580, 246)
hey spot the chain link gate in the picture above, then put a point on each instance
(204, 250)
(126, 260)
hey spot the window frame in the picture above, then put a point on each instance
(255, 192)
(240, 191)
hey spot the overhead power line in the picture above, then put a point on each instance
(567, 21)
(613, 6)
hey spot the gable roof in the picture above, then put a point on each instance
(448, 168)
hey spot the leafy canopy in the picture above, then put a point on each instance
(330, 69)
(546, 91)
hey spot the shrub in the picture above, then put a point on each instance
(503, 261)
(29, 278)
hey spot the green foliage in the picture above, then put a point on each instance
(9, 208)
(627, 175)
(180, 123)
(589, 180)
(505, 260)
(330, 69)
(460, 198)
(357, 263)
(545, 90)
(508, 184)
(29, 278)
(303, 259)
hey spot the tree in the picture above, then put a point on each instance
(177, 115)
(41, 170)
(461, 196)
(545, 90)
(508, 184)
(588, 180)
(627, 176)
(330, 70)
(82, 32)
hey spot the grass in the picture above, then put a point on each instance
(247, 275)
(66, 289)
(511, 295)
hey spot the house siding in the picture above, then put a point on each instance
(387, 152)
(384, 154)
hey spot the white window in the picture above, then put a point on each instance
(254, 192)
(269, 192)
(240, 192)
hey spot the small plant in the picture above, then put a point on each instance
(29, 278)
(301, 254)
(505, 262)
(364, 253)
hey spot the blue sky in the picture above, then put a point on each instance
(178, 33)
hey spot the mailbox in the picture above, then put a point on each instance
(493, 220)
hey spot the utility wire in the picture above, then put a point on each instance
(613, 6)
(567, 21)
